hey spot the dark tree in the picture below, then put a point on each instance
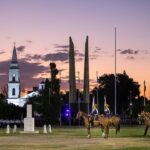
(48, 103)
(127, 91)
(55, 94)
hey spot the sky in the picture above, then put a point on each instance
(41, 30)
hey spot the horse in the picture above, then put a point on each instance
(85, 118)
(106, 122)
(146, 117)
(102, 122)
(115, 122)
(88, 121)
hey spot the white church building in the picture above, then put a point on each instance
(14, 86)
(14, 77)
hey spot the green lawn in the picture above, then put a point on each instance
(75, 138)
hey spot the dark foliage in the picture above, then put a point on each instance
(127, 92)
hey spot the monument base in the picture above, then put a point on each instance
(29, 124)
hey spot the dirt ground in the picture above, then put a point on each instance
(50, 142)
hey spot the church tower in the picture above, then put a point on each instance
(14, 79)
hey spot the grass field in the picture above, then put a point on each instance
(75, 138)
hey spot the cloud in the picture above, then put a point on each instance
(65, 77)
(61, 46)
(79, 54)
(2, 74)
(93, 57)
(62, 50)
(97, 49)
(61, 70)
(29, 57)
(59, 56)
(129, 51)
(28, 72)
(130, 57)
(21, 48)
(56, 57)
(2, 51)
(28, 41)
(119, 50)
(79, 59)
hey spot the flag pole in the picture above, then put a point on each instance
(79, 94)
(97, 91)
(115, 75)
(144, 92)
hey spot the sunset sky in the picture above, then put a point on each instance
(41, 30)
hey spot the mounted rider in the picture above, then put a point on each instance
(106, 110)
(94, 111)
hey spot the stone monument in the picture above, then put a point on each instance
(72, 79)
(29, 121)
(86, 97)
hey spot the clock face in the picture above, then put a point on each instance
(14, 75)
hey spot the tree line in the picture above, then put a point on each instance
(48, 106)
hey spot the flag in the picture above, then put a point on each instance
(105, 102)
(97, 78)
(93, 104)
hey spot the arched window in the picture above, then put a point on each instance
(13, 91)
(13, 78)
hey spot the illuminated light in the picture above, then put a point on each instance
(67, 110)
(66, 114)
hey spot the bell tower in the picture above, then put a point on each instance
(14, 78)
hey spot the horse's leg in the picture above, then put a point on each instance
(105, 132)
(146, 128)
(89, 131)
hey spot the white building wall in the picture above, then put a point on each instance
(16, 86)
(17, 75)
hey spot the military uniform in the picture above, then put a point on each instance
(106, 110)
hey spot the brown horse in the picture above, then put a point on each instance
(115, 121)
(88, 121)
(146, 117)
(101, 122)
(106, 122)
(85, 118)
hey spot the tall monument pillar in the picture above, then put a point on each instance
(72, 79)
(86, 76)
